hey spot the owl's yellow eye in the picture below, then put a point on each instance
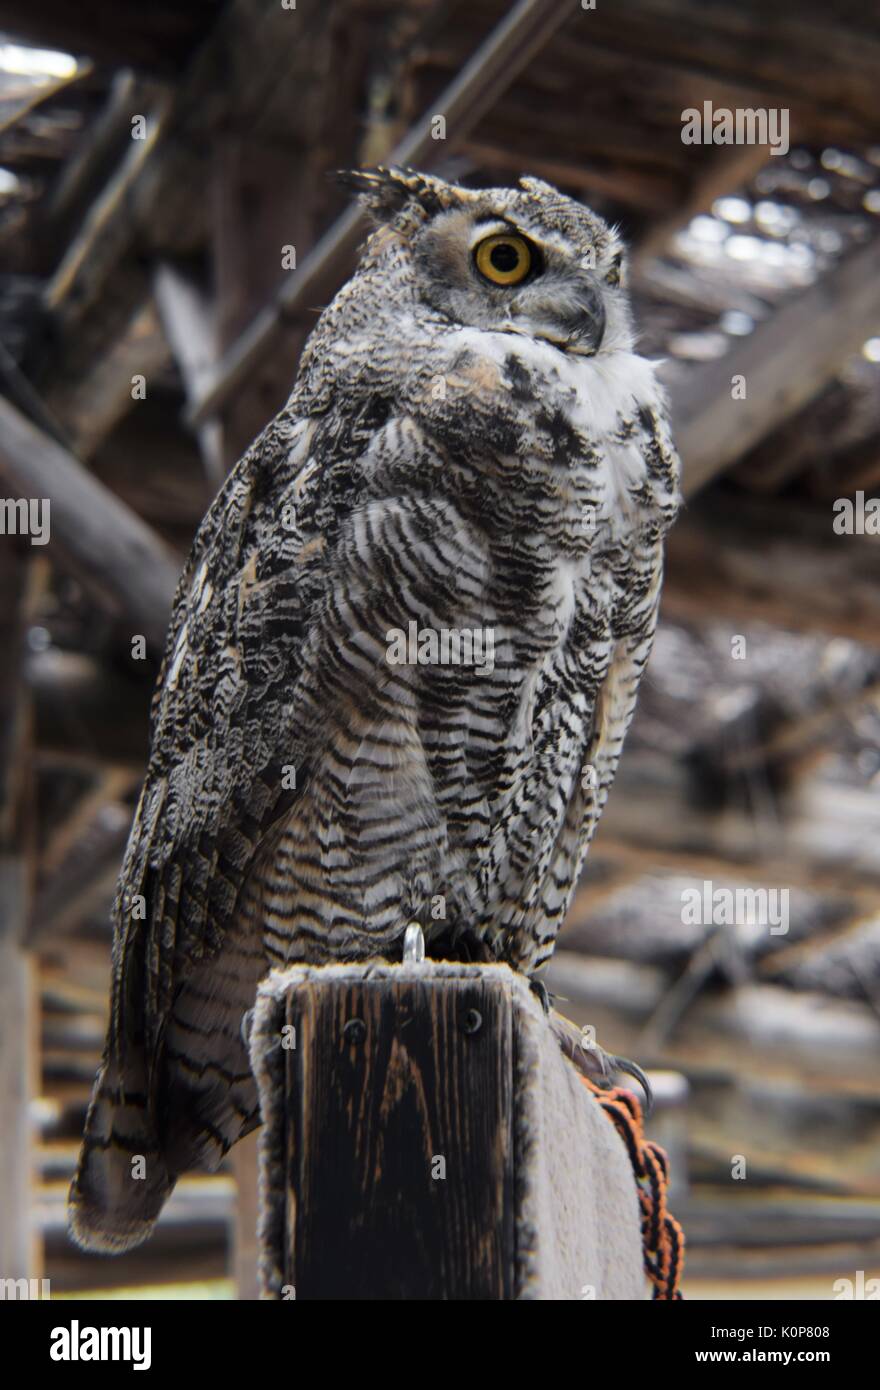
(504, 259)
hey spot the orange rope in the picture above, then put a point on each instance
(662, 1237)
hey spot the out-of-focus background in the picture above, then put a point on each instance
(167, 234)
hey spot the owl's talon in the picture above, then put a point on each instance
(623, 1064)
(597, 1065)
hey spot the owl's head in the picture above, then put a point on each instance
(524, 260)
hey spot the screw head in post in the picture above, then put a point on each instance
(354, 1031)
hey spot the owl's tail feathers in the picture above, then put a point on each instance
(122, 1181)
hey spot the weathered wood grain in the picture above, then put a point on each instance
(382, 1086)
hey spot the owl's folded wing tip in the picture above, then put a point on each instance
(101, 1230)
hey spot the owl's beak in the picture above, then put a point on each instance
(580, 328)
(588, 326)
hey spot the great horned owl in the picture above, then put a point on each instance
(403, 656)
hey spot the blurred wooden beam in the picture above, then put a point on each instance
(108, 786)
(123, 563)
(640, 188)
(800, 736)
(600, 66)
(773, 1220)
(757, 561)
(702, 858)
(260, 70)
(83, 706)
(47, 90)
(189, 1243)
(191, 333)
(18, 1053)
(828, 839)
(95, 155)
(85, 884)
(827, 69)
(92, 390)
(699, 290)
(14, 712)
(840, 940)
(155, 37)
(512, 44)
(18, 1061)
(784, 362)
(110, 225)
(153, 465)
(725, 1273)
(763, 1030)
(728, 171)
(101, 324)
(782, 1033)
(20, 391)
(259, 205)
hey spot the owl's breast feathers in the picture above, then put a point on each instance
(323, 769)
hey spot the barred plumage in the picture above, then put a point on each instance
(460, 455)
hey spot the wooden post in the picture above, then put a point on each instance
(424, 1138)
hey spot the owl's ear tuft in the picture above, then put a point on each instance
(537, 188)
(387, 191)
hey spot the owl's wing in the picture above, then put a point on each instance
(174, 1089)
